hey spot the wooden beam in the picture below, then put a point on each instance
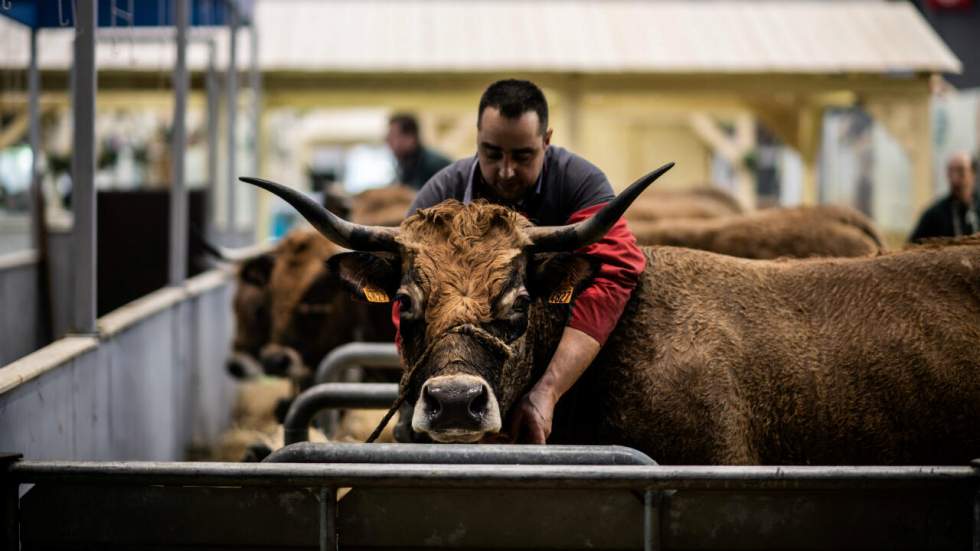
(733, 149)
(908, 120)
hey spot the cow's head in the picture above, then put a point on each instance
(472, 282)
(252, 321)
(307, 312)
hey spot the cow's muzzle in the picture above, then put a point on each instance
(456, 408)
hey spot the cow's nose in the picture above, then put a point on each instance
(456, 403)
(235, 368)
(276, 364)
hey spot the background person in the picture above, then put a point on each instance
(416, 163)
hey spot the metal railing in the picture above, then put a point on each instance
(333, 396)
(356, 354)
(486, 468)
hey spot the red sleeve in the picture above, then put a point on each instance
(598, 307)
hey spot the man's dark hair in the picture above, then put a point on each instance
(406, 122)
(514, 98)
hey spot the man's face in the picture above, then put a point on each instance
(510, 152)
(402, 144)
(961, 177)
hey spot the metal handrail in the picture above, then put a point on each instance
(356, 354)
(457, 454)
(649, 477)
(333, 395)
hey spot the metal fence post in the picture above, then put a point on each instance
(34, 115)
(255, 83)
(328, 519)
(83, 169)
(976, 507)
(178, 193)
(232, 83)
(213, 90)
(651, 521)
(9, 505)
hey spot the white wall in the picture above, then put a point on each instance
(149, 387)
(19, 314)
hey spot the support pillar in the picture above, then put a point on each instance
(177, 264)
(83, 170)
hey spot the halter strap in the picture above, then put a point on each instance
(495, 344)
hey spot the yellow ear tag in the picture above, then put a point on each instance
(561, 296)
(373, 294)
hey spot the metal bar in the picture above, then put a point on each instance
(458, 454)
(34, 116)
(149, 36)
(976, 507)
(39, 228)
(232, 84)
(310, 475)
(212, 86)
(255, 83)
(651, 520)
(83, 169)
(328, 519)
(333, 395)
(356, 354)
(9, 505)
(177, 263)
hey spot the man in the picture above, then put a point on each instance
(416, 163)
(959, 212)
(516, 166)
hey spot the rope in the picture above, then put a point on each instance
(495, 344)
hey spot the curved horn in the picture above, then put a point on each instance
(346, 234)
(587, 232)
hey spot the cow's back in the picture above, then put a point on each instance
(723, 360)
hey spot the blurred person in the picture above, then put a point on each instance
(416, 162)
(959, 212)
(515, 166)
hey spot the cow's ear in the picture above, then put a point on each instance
(257, 270)
(558, 277)
(372, 277)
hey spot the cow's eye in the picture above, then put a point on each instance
(404, 305)
(521, 304)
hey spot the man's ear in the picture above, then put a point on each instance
(256, 270)
(371, 277)
(558, 277)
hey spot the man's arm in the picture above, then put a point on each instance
(594, 315)
(574, 354)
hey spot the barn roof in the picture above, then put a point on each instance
(600, 36)
(580, 36)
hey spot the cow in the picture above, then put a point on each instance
(290, 313)
(697, 202)
(715, 359)
(800, 232)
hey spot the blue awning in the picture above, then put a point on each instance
(44, 14)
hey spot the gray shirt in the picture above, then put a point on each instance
(567, 184)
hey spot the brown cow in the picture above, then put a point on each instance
(290, 313)
(800, 232)
(699, 202)
(715, 360)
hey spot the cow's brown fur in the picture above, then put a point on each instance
(720, 360)
(299, 261)
(703, 202)
(800, 232)
(382, 206)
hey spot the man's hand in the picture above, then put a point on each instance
(532, 418)
(534, 413)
